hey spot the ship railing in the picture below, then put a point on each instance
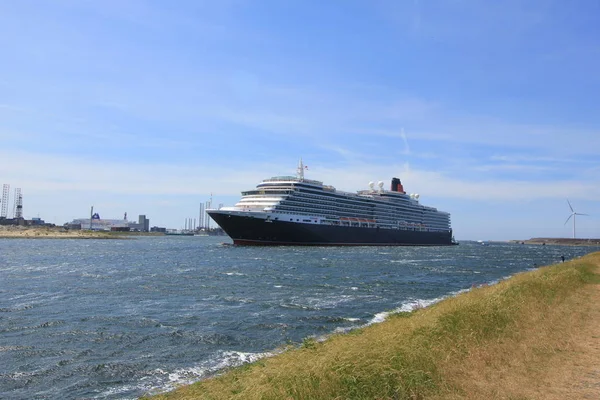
(292, 179)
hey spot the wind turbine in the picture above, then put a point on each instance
(573, 214)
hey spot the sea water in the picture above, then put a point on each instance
(115, 319)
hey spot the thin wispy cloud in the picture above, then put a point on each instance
(405, 140)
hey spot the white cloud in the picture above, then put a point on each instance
(40, 173)
(514, 167)
(405, 140)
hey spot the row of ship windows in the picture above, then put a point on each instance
(322, 200)
(381, 213)
(333, 205)
(387, 224)
(324, 196)
(358, 198)
(442, 217)
(297, 220)
(392, 220)
(266, 192)
(324, 207)
(442, 220)
(368, 203)
(323, 210)
(308, 191)
(339, 199)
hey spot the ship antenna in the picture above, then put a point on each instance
(300, 170)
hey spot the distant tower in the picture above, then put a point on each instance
(201, 216)
(18, 210)
(144, 223)
(5, 191)
(300, 170)
(125, 216)
(207, 219)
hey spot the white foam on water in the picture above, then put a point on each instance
(13, 348)
(95, 276)
(116, 391)
(234, 274)
(277, 286)
(329, 302)
(222, 360)
(343, 330)
(160, 380)
(408, 306)
(379, 317)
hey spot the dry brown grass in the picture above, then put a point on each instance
(534, 336)
(554, 353)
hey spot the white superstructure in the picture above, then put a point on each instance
(300, 200)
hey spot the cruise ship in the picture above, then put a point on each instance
(293, 210)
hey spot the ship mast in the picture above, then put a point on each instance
(300, 170)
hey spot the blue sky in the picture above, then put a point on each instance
(488, 110)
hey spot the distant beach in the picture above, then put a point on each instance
(22, 232)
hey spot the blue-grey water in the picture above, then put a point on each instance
(114, 319)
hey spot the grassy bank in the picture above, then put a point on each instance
(503, 341)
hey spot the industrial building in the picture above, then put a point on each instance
(95, 223)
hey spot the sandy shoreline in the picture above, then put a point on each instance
(20, 232)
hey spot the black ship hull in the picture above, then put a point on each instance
(248, 230)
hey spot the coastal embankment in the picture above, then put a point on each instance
(560, 241)
(22, 232)
(533, 336)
